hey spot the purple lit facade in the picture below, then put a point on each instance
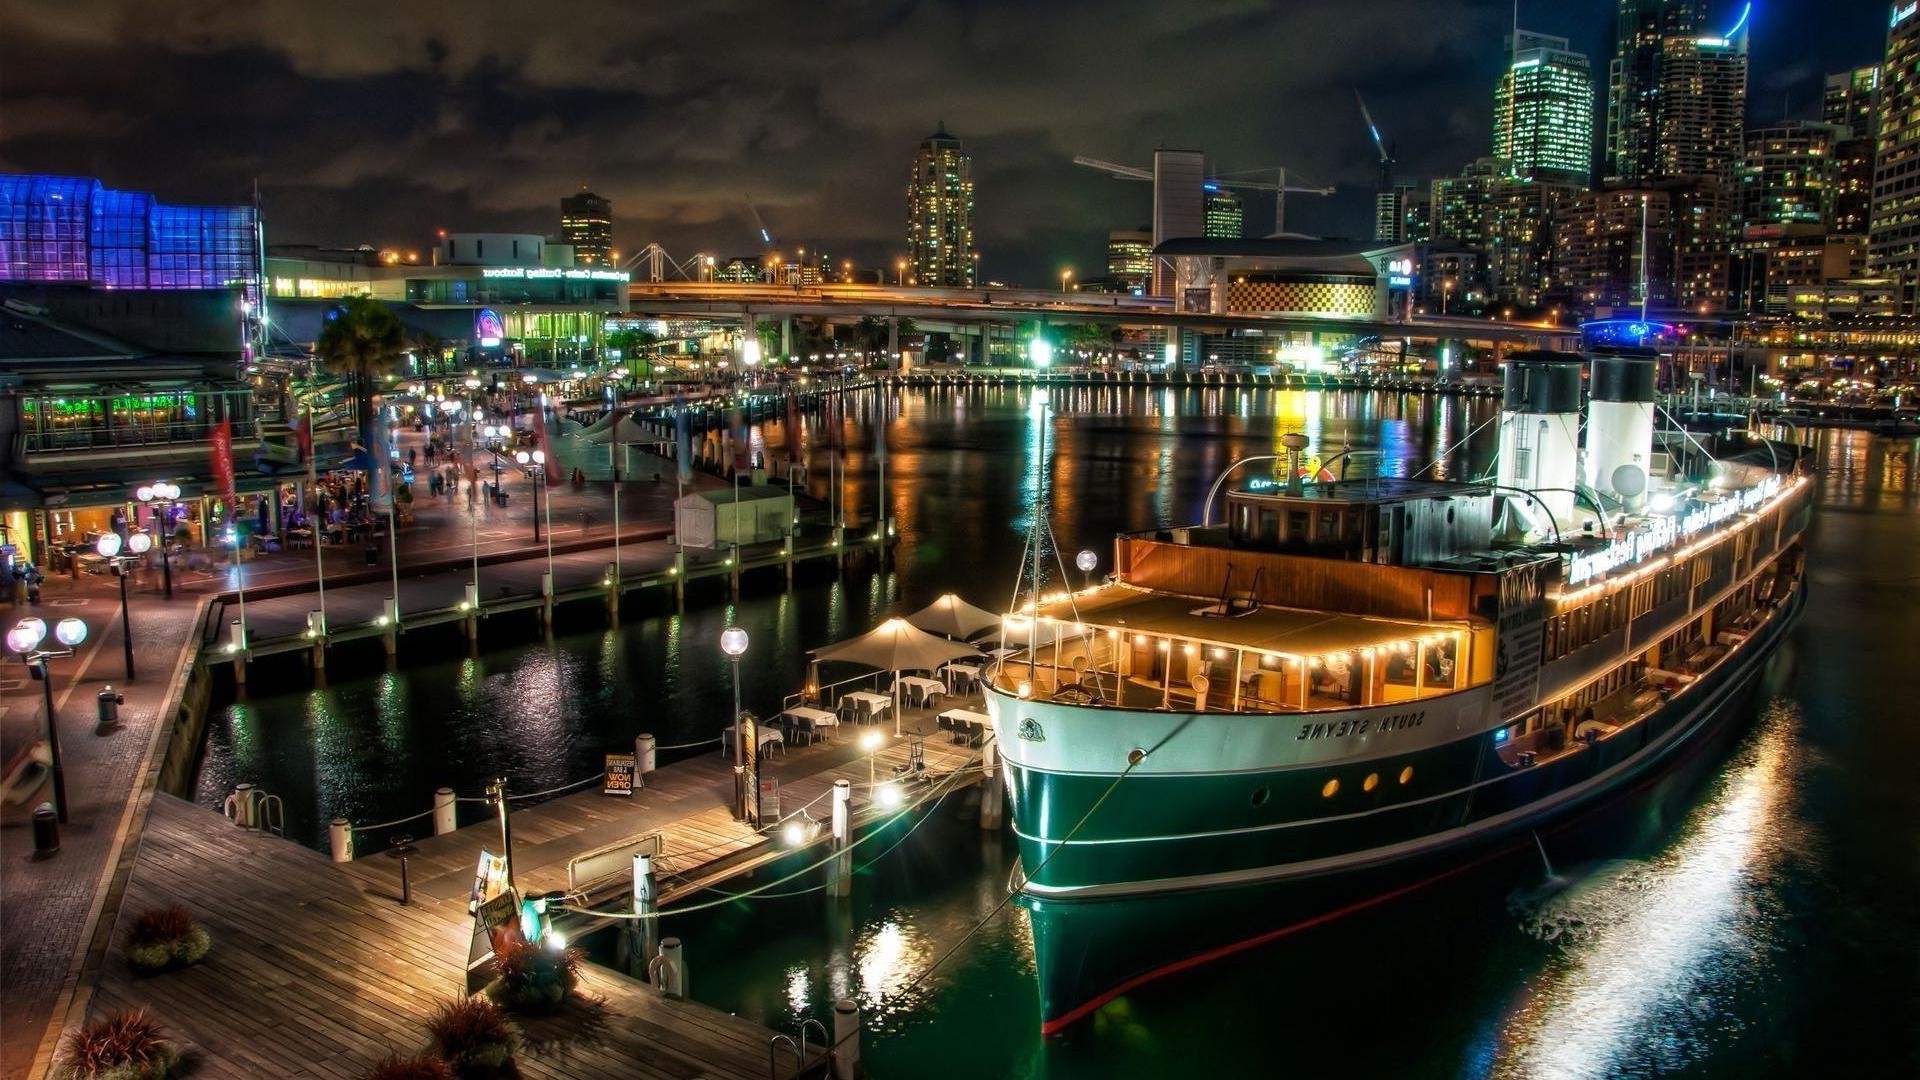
(67, 229)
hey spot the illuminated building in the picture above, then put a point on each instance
(1416, 214)
(1519, 236)
(586, 222)
(1641, 28)
(1849, 99)
(1893, 246)
(1130, 258)
(1543, 111)
(68, 229)
(1605, 242)
(940, 213)
(1788, 174)
(1459, 203)
(1226, 218)
(1702, 105)
(1850, 197)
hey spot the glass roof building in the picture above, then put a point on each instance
(67, 229)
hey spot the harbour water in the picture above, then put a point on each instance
(1749, 916)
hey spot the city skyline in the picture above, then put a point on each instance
(380, 143)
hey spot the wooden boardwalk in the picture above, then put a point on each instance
(316, 974)
(688, 804)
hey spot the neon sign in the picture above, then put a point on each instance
(488, 329)
(539, 272)
(1902, 14)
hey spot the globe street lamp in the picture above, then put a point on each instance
(1086, 561)
(161, 497)
(25, 639)
(733, 642)
(535, 464)
(109, 546)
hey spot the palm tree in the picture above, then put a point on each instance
(363, 339)
(427, 347)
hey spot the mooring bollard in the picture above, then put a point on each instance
(992, 798)
(46, 831)
(546, 599)
(840, 871)
(846, 1040)
(390, 619)
(109, 704)
(667, 971)
(646, 935)
(340, 839)
(643, 752)
(239, 807)
(445, 819)
(237, 647)
(317, 630)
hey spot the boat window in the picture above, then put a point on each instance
(1440, 664)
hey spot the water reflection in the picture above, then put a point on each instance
(1661, 944)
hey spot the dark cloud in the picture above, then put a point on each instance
(379, 122)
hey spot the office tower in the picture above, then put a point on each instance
(1389, 215)
(1893, 243)
(1226, 218)
(1705, 232)
(1850, 198)
(1179, 205)
(1130, 258)
(586, 222)
(1519, 236)
(1416, 214)
(1543, 111)
(1641, 28)
(1608, 243)
(1702, 106)
(1788, 174)
(940, 213)
(1459, 203)
(1849, 99)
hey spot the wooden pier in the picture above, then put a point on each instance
(318, 973)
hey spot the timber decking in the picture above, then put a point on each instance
(318, 973)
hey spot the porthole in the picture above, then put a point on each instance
(1329, 789)
(1372, 781)
(1261, 795)
(1406, 775)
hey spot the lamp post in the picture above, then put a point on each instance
(25, 639)
(239, 579)
(733, 642)
(1064, 276)
(1086, 561)
(535, 464)
(161, 497)
(871, 742)
(109, 548)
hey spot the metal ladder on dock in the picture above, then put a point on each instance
(800, 1050)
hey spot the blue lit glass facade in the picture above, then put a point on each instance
(70, 229)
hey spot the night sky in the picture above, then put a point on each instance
(379, 122)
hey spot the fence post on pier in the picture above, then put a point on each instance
(992, 799)
(471, 605)
(839, 548)
(390, 619)
(546, 600)
(680, 578)
(445, 820)
(317, 630)
(644, 941)
(340, 839)
(643, 753)
(846, 1040)
(840, 871)
(613, 596)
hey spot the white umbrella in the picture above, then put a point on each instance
(954, 618)
(896, 645)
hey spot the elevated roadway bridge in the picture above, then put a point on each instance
(989, 307)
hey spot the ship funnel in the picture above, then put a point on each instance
(1620, 428)
(1540, 431)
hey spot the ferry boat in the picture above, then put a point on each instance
(1348, 685)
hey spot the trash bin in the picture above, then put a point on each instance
(46, 831)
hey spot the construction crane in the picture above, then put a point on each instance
(760, 223)
(1379, 145)
(1278, 185)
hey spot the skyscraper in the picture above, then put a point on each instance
(1543, 111)
(1641, 29)
(1459, 203)
(1519, 227)
(940, 212)
(1702, 106)
(1849, 99)
(1893, 245)
(1226, 218)
(586, 222)
(1614, 248)
(1788, 174)
(1130, 258)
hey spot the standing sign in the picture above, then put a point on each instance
(620, 774)
(769, 799)
(1517, 642)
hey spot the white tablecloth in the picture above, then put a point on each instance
(876, 704)
(926, 687)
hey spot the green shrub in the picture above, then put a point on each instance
(123, 1046)
(166, 938)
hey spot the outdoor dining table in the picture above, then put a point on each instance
(920, 689)
(810, 720)
(871, 706)
(966, 724)
(969, 676)
(768, 733)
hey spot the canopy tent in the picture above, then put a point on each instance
(895, 645)
(953, 617)
(623, 432)
(607, 420)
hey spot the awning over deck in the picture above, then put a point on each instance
(1281, 631)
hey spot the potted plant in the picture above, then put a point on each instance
(534, 978)
(424, 1067)
(166, 938)
(123, 1046)
(473, 1035)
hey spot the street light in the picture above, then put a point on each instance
(733, 642)
(161, 497)
(109, 548)
(1086, 561)
(25, 639)
(1064, 275)
(871, 743)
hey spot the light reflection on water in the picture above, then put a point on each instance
(1665, 942)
